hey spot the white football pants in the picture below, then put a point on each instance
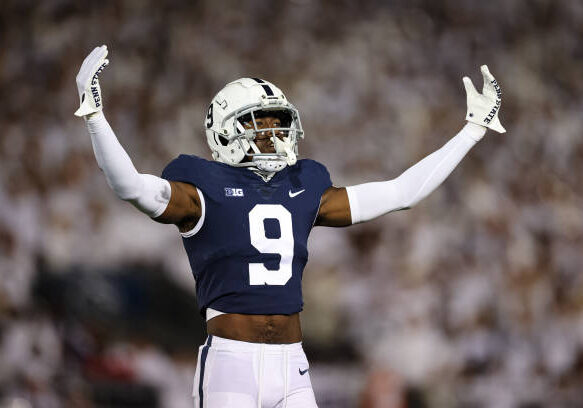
(237, 374)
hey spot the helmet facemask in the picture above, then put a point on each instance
(284, 138)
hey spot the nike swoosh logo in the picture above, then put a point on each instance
(303, 372)
(292, 195)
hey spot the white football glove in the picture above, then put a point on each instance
(88, 82)
(483, 108)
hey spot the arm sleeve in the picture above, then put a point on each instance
(370, 200)
(148, 193)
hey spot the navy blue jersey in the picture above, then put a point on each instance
(249, 251)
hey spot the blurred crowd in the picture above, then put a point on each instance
(472, 299)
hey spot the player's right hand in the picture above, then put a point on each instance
(88, 82)
(483, 107)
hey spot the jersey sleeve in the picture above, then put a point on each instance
(319, 175)
(179, 169)
(197, 171)
(190, 169)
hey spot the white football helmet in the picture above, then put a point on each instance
(242, 101)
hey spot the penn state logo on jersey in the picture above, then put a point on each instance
(249, 254)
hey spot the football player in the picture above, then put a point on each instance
(245, 219)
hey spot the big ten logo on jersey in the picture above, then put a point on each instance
(234, 192)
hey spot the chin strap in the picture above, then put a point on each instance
(270, 165)
(266, 169)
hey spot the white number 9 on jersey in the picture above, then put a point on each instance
(284, 245)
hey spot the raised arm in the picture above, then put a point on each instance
(164, 201)
(345, 206)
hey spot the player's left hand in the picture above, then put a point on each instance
(88, 82)
(483, 107)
